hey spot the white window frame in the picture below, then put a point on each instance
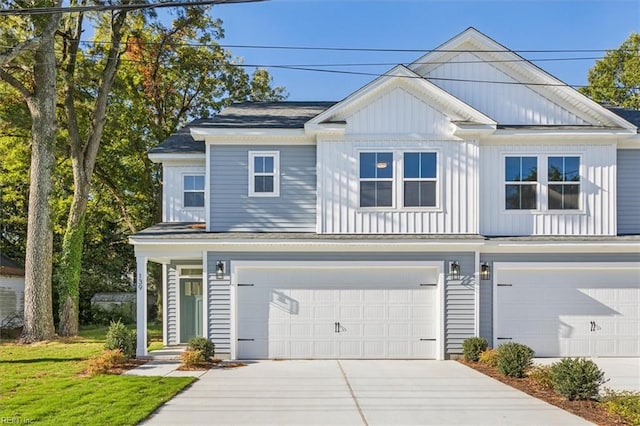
(542, 184)
(276, 173)
(563, 183)
(537, 184)
(437, 179)
(392, 179)
(185, 190)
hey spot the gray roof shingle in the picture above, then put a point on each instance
(631, 115)
(245, 115)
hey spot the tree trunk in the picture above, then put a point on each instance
(38, 314)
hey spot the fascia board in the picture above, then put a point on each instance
(561, 247)
(203, 134)
(537, 134)
(168, 158)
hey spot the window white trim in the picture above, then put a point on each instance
(542, 184)
(275, 174)
(185, 190)
(398, 180)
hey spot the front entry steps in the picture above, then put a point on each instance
(168, 353)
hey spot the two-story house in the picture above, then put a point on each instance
(469, 193)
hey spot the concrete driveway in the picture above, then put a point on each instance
(355, 392)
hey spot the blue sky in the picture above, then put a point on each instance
(415, 24)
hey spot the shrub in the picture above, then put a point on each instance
(192, 358)
(203, 345)
(473, 347)
(577, 378)
(107, 316)
(541, 374)
(623, 403)
(514, 359)
(104, 362)
(489, 357)
(120, 337)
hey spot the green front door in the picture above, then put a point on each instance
(190, 308)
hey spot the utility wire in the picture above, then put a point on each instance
(121, 7)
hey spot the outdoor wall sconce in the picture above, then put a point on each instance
(485, 271)
(454, 270)
(220, 269)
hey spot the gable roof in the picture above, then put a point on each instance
(447, 103)
(9, 267)
(523, 72)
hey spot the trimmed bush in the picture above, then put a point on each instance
(203, 345)
(192, 358)
(541, 374)
(623, 403)
(489, 357)
(105, 362)
(473, 347)
(514, 359)
(577, 378)
(120, 337)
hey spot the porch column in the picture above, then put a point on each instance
(141, 308)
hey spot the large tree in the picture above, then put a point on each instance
(615, 79)
(28, 64)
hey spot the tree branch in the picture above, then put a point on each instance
(16, 84)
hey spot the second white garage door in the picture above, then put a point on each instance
(569, 309)
(339, 310)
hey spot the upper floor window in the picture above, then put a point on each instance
(521, 183)
(193, 191)
(563, 174)
(376, 179)
(264, 175)
(420, 175)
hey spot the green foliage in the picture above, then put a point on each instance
(615, 79)
(625, 404)
(473, 347)
(541, 374)
(577, 378)
(117, 313)
(104, 362)
(489, 357)
(192, 358)
(120, 337)
(204, 345)
(514, 359)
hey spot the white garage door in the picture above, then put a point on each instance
(569, 309)
(336, 311)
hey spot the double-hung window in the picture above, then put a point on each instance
(420, 179)
(193, 191)
(376, 179)
(563, 175)
(521, 183)
(264, 174)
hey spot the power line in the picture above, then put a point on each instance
(121, 7)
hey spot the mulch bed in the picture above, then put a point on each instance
(129, 365)
(213, 364)
(589, 410)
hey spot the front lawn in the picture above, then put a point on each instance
(43, 383)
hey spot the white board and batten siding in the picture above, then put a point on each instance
(173, 209)
(463, 76)
(597, 215)
(397, 122)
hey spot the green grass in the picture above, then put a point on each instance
(43, 383)
(626, 404)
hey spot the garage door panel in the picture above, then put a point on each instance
(570, 311)
(301, 314)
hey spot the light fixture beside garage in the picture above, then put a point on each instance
(485, 271)
(454, 270)
(220, 269)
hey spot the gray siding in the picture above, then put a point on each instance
(486, 287)
(628, 191)
(171, 316)
(459, 295)
(233, 210)
(219, 310)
